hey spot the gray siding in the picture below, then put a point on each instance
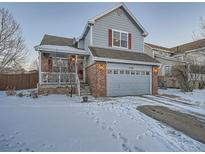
(81, 44)
(87, 41)
(114, 21)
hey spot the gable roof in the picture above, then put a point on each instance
(118, 5)
(158, 47)
(56, 40)
(92, 20)
(121, 54)
(189, 46)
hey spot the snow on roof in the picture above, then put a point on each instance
(61, 49)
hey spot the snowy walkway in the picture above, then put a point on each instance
(60, 123)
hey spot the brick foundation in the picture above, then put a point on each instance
(42, 90)
(96, 77)
(154, 80)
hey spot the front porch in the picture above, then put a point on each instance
(62, 69)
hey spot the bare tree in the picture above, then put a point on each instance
(34, 65)
(182, 73)
(12, 48)
(202, 26)
(195, 65)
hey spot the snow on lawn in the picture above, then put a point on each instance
(61, 123)
(197, 97)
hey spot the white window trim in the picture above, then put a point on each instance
(165, 67)
(120, 38)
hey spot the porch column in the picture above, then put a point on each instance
(39, 71)
(76, 68)
(84, 65)
(59, 73)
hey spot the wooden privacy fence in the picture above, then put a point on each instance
(18, 81)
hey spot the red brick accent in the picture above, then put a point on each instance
(91, 78)
(129, 41)
(96, 76)
(154, 80)
(110, 37)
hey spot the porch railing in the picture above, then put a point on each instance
(78, 84)
(58, 78)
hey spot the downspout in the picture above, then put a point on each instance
(91, 33)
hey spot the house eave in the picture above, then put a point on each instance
(125, 61)
(61, 49)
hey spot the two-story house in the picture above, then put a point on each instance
(108, 56)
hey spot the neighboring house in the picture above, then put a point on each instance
(164, 56)
(109, 56)
(192, 51)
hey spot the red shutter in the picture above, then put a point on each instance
(50, 64)
(110, 37)
(129, 41)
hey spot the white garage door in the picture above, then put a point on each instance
(126, 79)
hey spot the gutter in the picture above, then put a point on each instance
(71, 51)
(126, 61)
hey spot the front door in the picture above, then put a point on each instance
(81, 68)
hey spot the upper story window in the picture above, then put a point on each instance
(120, 39)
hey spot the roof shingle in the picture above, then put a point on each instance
(121, 54)
(55, 40)
(158, 47)
(189, 46)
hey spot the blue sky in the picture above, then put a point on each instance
(168, 24)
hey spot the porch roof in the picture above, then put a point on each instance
(61, 49)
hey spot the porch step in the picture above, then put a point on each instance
(85, 94)
(84, 89)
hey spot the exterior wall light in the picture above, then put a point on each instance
(72, 59)
(101, 66)
(156, 69)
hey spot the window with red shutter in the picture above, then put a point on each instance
(120, 39)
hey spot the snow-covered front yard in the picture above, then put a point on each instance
(197, 97)
(61, 123)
